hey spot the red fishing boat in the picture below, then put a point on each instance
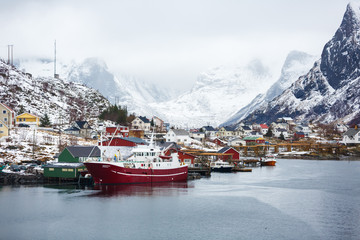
(146, 164)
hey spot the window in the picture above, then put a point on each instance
(1, 125)
(70, 170)
(51, 169)
(4, 111)
(5, 119)
(64, 170)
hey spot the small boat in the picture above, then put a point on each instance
(268, 160)
(221, 166)
(147, 164)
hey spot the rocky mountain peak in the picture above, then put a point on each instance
(341, 55)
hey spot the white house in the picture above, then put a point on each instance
(278, 131)
(141, 123)
(351, 136)
(236, 142)
(178, 136)
(210, 132)
(200, 136)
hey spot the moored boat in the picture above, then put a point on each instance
(268, 160)
(221, 166)
(147, 164)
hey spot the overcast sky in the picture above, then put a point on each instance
(169, 42)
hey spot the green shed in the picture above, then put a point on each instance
(63, 170)
(77, 154)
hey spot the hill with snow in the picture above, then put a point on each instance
(62, 101)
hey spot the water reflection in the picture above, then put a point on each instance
(149, 189)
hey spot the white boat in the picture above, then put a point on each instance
(221, 166)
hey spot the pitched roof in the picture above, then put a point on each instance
(6, 106)
(134, 140)
(223, 150)
(81, 124)
(72, 129)
(229, 128)
(27, 114)
(351, 132)
(246, 128)
(264, 126)
(300, 133)
(84, 151)
(144, 119)
(209, 128)
(180, 132)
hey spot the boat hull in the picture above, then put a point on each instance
(106, 173)
(221, 169)
(268, 163)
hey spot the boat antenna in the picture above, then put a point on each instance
(152, 140)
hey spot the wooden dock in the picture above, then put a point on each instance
(203, 171)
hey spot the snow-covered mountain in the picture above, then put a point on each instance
(93, 72)
(330, 90)
(62, 101)
(216, 94)
(296, 64)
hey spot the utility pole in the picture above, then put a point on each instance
(10, 54)
(55, 59)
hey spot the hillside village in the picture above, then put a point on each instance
(46, 140)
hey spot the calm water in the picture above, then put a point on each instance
(297, 199)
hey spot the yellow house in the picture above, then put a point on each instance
(7, 115)
(28, 118)
(4, 130)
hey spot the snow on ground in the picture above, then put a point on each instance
(33, 144)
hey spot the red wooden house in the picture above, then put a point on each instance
(184, 157)
(219, 142)
(235, 155)
(299, 135)
(119, 131)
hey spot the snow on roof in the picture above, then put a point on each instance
(180, 132)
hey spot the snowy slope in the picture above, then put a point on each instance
(330, 90)
(93, 72)
(63, 101)
(296, 64)
(216, 94)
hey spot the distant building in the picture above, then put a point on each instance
(210, 132)
(4, 129)
(159, 124)
(141, 123)
(28, 118)
(70, 162)
(178, 136)
(7, 115)
(118, 131)
(80, 129)
(233, 154)
(351, 136)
